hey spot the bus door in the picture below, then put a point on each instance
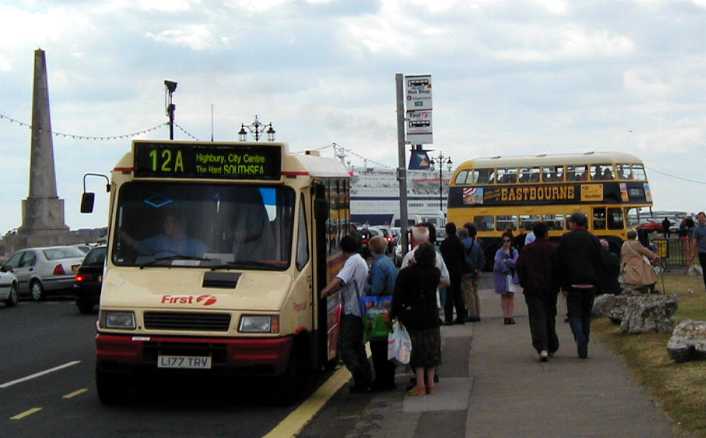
(326, 264)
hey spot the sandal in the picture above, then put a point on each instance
(416, 392)
(429, 388)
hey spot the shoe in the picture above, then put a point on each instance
(429, 388)
(506, 321)
(511, 321)
(448, 323)
(543, 356)
(583, 351)
(474, 319)
(459, 322)
(416, 392)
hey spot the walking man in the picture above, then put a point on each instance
(665, 228)
(350, 281)
(452, 251)
(535, 268)
(579, 269)
(475, 260)
(700, 242)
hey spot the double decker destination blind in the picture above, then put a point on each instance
(208, 161)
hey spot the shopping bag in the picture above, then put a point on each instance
(511, 285)
(399, 345)
(376, 316)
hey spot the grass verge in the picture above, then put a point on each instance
(680, 388)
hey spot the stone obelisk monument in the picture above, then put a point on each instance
(43, 211)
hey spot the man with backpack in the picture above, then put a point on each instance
(474, 260)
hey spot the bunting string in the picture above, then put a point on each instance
(85, 137)
(187, 133)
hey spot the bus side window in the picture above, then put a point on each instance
(554, 222)
(507, 176)
(484, 223)
(615, 219)
(485, 176)
(503, 223)
(302, 238)
(599, 219)
(553, 174)
(576, 173)
(462, 178)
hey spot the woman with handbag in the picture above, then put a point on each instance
(506, 280)
(414, 305)
(636, 264)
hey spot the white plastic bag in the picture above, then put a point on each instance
(399, 345)
(511, 286)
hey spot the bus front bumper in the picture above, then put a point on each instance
(230, 356)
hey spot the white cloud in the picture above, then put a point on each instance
(195, 37)
(646, 83)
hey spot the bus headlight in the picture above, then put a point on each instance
(117, 320)
(259, 324)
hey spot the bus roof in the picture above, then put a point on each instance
(549, 159)
(317, 166)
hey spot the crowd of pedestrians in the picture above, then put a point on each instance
(579, 266)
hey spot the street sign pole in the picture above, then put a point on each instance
(402, 169)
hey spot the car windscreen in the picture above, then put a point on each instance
(197, 224)
(62, 253)
(96, 256)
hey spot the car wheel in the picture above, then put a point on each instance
(84, 306)
(37, 290)
(12, 297)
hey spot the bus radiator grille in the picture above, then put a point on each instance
(211, 322)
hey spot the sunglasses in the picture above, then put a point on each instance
(507, 240)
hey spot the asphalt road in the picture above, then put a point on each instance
(35, 337)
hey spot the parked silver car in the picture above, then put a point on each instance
(41, 270)
(8, 288)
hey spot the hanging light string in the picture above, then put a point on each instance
(85, 137)
(681, 178)
(185, 131)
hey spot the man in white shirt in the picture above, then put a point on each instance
(351, 281)
(420, 234)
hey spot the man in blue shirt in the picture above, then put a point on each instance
(700, 241)
(383, 276)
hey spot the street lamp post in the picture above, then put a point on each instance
(257, 128)
(440, 163)
(170, 87)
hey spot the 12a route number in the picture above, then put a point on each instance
(166, 160)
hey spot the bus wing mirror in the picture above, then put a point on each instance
(87, 200)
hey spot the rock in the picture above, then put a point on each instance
(688, 341)
(603, 304)
(617, 312)
(648, 313)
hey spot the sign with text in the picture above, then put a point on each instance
(418, 92)
(419, 127)
(207, 160)
(418, 103)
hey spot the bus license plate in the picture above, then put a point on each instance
(184, 362)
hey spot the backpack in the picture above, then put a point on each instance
(471, 265)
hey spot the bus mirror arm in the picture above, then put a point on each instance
(88, 198)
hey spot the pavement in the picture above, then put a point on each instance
(492, 385)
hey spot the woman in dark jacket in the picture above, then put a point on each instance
(414, 305)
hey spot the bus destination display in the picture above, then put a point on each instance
(183, 160)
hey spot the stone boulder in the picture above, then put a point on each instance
(603, 304)
(617, 312)
(648, 313)
(688, 341)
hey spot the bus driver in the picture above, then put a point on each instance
(173, 241)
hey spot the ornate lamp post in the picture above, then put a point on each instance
(257, 128)
(438, 161)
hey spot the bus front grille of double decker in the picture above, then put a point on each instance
(212, 322)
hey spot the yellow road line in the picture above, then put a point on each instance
(295, 422)
(26, 413)
(75, 393)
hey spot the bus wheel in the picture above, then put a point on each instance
(112, 388)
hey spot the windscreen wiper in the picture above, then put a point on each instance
(241, 264)
(173, 257)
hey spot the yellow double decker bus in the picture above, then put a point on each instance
(500, 193)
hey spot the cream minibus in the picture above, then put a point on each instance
(216, 256)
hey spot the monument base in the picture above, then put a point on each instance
(42, 215)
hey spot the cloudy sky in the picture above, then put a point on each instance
(510, 77)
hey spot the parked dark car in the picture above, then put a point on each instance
(88, 280)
